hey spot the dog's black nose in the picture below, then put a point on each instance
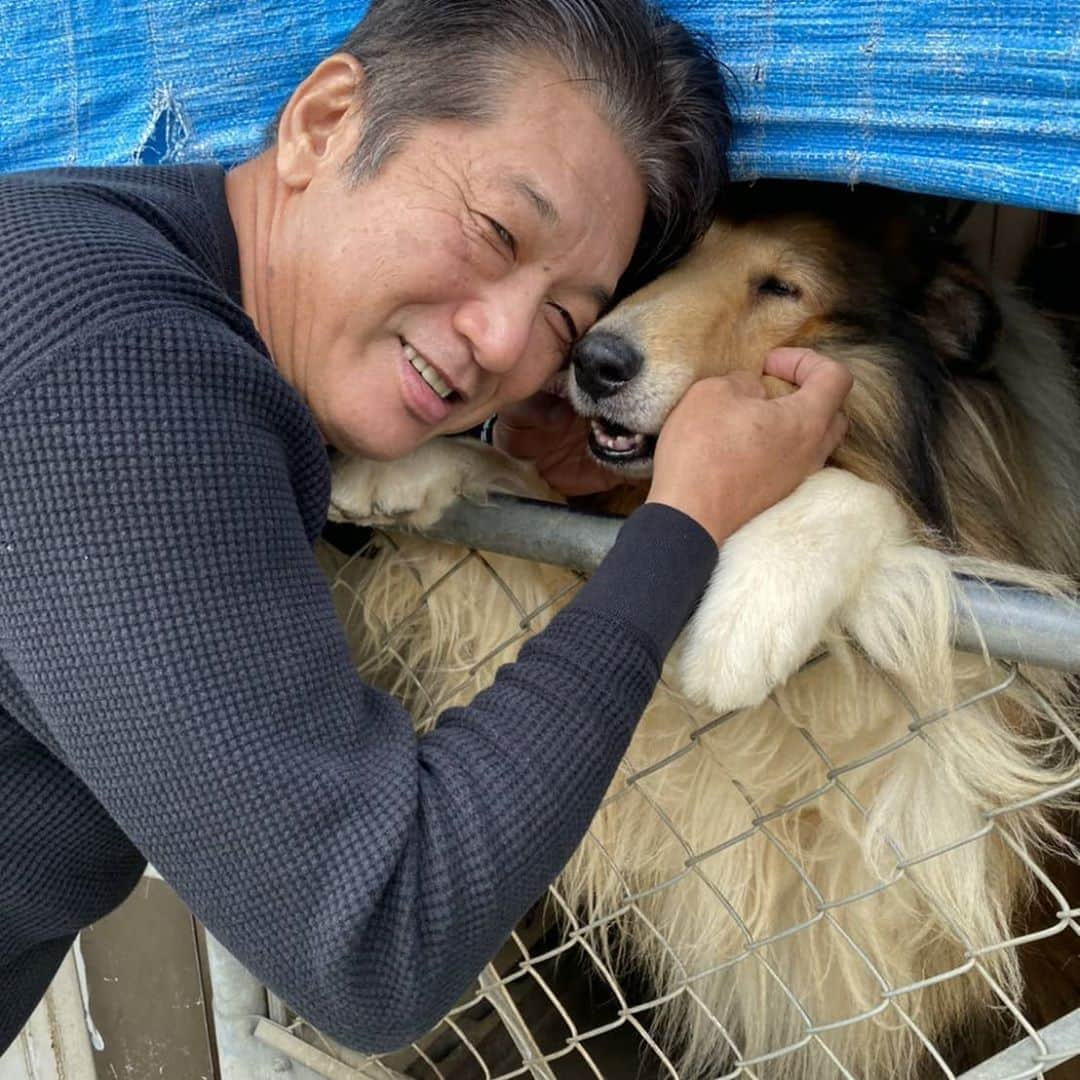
(604, 362)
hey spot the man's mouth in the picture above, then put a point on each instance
(613, 445)
(429, 374)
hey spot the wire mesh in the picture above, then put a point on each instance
(668, 956)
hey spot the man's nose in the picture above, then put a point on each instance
(604, 363)
(498, 327)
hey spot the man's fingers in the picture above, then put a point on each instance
(544, 411)
(822, 381)
(528, 429)
(745, 383)
(791, 364)
(834, 434)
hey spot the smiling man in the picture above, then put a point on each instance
(451, 282)
(448, 202)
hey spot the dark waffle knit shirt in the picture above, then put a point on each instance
(174, 685)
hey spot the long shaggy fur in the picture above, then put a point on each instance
(824, 832)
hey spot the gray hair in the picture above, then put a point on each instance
(656, 84)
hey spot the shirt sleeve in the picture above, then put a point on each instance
(163, 611)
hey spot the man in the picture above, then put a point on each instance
(447, 204)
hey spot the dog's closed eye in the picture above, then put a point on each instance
(771, 285)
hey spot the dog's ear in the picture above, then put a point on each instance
(961, 316)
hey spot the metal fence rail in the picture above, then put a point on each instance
(526, 1016)
(1014, 623)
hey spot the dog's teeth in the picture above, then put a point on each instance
(618, 444)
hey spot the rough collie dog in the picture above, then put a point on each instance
(824, 843)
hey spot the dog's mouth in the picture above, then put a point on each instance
(613, 445)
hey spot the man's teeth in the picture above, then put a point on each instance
(618, 444)
(427, 373)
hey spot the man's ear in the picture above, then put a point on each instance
(321, 121)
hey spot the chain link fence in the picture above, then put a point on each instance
(674, 964)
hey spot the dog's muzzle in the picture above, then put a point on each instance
(603, 364)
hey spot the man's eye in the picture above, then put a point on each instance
(506, 238)
(568, 319)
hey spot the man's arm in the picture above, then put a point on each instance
(164, 613)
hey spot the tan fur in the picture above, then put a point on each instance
(795, 874)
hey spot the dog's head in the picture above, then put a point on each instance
(851, 281)
(744, 289)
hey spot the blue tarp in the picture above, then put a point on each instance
(971, 98)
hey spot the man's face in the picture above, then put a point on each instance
(455, 280)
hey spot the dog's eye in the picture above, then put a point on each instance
(773, 286)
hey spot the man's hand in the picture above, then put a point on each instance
(546, 430)
(726, 452)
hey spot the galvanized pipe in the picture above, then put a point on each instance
(1016, 624)
(239, 1001)
(1026, 1059)
(1020, 625)
(540, 531)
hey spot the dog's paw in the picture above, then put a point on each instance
(415, 491)
(780, 587)
(369, 492)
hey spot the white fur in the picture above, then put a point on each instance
(792, 851)
(758, 918)
(781, 580)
